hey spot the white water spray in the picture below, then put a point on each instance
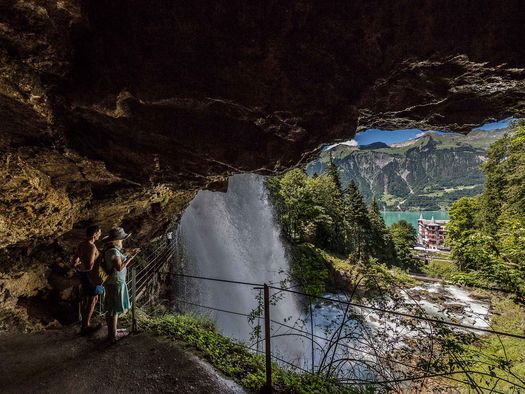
(233, 236)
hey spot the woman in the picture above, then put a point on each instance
(117, 297)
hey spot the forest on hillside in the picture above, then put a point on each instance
(487, 232)
(317, 212)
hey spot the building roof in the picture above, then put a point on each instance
(433, 222)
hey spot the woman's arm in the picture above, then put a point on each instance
(129, 258)
(120, 265)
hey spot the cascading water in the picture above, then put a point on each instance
(234, 236)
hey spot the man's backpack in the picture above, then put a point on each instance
(100, 271)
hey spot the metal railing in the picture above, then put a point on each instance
(356, 355)
(404, 347)
(143, 272)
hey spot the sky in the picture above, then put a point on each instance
(501, 124)
(388, 137)
(395, 136)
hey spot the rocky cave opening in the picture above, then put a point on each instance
(118, 114)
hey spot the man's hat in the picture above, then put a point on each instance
(115, 234)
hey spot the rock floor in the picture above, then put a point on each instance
(62, 361)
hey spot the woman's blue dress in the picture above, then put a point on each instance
(116, 300)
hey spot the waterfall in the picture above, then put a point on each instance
(234, 236)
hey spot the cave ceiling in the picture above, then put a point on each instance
(147, 92)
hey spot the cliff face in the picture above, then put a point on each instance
(119, 111)
(427, 173)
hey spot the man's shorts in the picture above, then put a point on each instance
(88, 287)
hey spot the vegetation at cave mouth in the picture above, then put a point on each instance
(487, 232)
(317, 211)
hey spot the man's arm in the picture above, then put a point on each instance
(75, 260)
(92, 257)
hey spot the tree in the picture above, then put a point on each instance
(310, 209)
(326, 212)
(358, 224)
(334, 174)
(381, 238)
(493, 196)
(487, 233)
(295, 203)
(463, 222)
(404, 237)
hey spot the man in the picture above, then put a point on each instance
(84, 260)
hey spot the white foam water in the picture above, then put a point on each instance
(234, 236)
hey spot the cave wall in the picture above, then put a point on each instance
(119, 111)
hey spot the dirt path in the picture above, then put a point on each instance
(61, 361)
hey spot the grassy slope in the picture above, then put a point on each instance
(507, 316)
(499, 360)
(233, 359)
(318, 268)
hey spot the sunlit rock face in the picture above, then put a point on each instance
(102, 102)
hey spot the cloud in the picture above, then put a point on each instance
(351, 142)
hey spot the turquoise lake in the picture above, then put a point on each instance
(392, 217)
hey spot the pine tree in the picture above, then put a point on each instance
(384, 249)
(375, 207)
(334, 173)
(359, 225)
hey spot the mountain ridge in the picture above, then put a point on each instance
(426, 173)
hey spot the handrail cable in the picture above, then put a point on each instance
(161, 245)
(445, 375)
(436, 375)
(152, 261)
(404, 314)
(149, 255)
(218, 280)
(214, 309)
(309, 334)
(160, 260)
(361, 306)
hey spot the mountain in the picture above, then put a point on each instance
(374, 145)
(426, 173)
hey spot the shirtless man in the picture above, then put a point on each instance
(84, 261)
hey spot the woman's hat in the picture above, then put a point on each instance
(115, 234)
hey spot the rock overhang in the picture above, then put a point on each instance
(102, 102)
(207, 88)
(187, 93)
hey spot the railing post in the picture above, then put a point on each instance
(259, 331)
(312, 332)
(267, 336)
(133, 298)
